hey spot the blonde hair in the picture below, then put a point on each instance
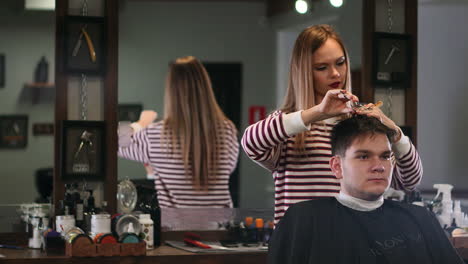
(300, 94)
(193, 119)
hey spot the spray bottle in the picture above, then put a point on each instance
(445, 213)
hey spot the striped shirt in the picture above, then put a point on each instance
(173, 186)
(299, 177)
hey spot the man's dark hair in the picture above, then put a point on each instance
(346, 131)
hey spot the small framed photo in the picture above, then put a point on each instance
(392, 59)
(2, 70)
(85, 45)
(13, 131)
(43, 129)
(83, 150)
(129, 112)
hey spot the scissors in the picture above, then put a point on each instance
(365, 106)
(361, 106)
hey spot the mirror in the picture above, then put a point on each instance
(220, 33)
(27, 35)
(153, 33)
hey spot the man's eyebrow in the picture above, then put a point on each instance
(364, 151)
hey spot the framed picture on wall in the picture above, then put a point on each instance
(85, 45)
(392, 59)
(129, 112)
(13, 131)
(2, 70)
(43, 129)
(83, 150)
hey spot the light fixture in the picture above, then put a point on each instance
(301, 6)
(43, 5)
(336, 3)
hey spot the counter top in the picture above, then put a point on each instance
(161, 255)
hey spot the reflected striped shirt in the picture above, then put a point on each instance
(173, 186)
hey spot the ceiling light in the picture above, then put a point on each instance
(301, 6)
(39, 4)
(336, 3)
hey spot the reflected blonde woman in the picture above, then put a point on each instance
(194, 149)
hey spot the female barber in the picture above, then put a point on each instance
(294, 141)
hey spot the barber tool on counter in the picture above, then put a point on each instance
(36, 218)
(449, 212)
(248, 233)
(81, 229)
(76, 209)
(148, 222)
(89, 231)
(442, 204)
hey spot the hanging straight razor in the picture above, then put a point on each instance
(89, 42)
(92, 52)
(77, 45)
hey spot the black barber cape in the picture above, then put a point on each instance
(324, 231)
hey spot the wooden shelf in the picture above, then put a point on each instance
(36, 89)
(40, 85)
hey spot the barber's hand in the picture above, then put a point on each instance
(149, 169)
(335, 103)
(377, 113)
(147, 117)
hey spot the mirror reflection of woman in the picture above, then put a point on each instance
(194, 149)
(294, 141)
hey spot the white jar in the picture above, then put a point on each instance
(100, 223)
(147, 230)
(63, 223)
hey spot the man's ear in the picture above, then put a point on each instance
(335, 165)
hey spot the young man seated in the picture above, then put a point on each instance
(358, 226)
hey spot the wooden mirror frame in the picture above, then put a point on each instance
(109, 100)
(366, 90)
